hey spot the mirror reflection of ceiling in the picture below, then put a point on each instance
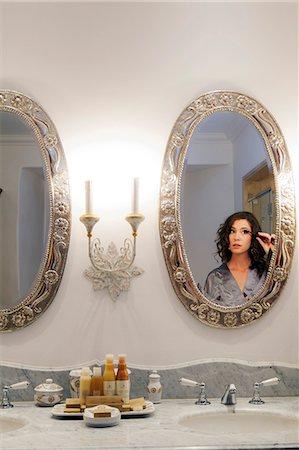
(10, 125)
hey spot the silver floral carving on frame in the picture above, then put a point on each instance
(47, 281)
(170, 226)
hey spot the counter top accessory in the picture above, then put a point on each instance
(154, 387)
(59, 411)
(92, 421)
(48, 393)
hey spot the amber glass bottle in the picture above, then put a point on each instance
(109, 376)
(96, 384)
(122, 379)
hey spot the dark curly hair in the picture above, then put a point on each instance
(256, 252)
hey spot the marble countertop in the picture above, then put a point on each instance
(161, 430)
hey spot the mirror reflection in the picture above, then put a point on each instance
(227, 169)
(24, 209)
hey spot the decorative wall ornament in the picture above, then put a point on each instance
(112, 270)
(171, 235)
(48, 279)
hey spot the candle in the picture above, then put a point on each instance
(88, 197)
(135, 196)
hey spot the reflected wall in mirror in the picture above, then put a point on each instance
(225, 154)
(35, 211)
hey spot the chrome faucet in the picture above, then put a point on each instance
(229, 396)
(202, 400)
(5, 390)
(256, 398)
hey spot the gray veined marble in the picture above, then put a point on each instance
(216, 374)
(167, 428)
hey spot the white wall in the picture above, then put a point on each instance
(114, 78)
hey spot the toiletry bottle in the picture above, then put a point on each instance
(96, 384)
(122, 379)
(109, 376)
(85, 379)
(154, 387)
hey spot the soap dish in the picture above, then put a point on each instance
(92, 421)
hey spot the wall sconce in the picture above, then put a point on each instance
(112, 270)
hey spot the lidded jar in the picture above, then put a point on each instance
(154, 387)
(48, 393)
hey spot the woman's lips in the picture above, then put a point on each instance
(236, 245)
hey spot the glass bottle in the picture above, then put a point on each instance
(96, 384)
(109, 376)
(85, 379)
(122, 379)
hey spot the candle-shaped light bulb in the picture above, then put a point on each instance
(88, 197)
(135, 196)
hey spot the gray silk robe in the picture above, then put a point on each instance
(222, 288)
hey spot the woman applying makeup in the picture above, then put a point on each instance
(244, 251)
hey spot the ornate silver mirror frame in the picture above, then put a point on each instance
(170, 206)
(51, 270)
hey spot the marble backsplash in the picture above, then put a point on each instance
(216, 374)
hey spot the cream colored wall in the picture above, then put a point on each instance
(114, 78)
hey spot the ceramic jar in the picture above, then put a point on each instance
(48, 393)
(154, 387)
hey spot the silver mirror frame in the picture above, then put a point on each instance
(51, 270)
(170, 206)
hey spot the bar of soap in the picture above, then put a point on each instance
(126, 408)
(72, 403)
(72, 410)
(102, 412)
(137, 408)
(136, 401)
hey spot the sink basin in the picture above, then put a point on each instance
(10, 424)
(245, 422)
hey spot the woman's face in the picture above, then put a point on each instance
(240, 237)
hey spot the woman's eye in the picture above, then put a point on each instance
(245, 232)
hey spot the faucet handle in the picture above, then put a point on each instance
(20, 385)
(270, 382)
(187, 382)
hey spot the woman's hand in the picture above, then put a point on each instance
(266, 240)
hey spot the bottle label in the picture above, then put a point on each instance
(109, 387)
(123, 389)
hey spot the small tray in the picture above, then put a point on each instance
(101, 422)
(58, 412)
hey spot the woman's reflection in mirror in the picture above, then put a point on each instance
(245, 252)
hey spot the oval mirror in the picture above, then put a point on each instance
(226, 155)
(35, 211)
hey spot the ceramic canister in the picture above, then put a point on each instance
(154, 387)
(48, 393)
